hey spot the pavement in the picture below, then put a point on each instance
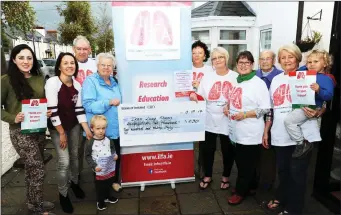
(185, 199)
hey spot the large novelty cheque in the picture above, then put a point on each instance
(161, 123)
(35, 115)
(301, 93)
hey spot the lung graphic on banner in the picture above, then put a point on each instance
(152, 44)
(152, 33)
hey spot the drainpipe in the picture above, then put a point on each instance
(299, 20)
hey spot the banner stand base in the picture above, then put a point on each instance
(172, 182)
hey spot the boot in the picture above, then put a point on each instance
(79, 193)
(65, 203)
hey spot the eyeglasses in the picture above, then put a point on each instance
(265, 59)
(218, 58)
(248, 63)
(104, 66)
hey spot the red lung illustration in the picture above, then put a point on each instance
(199, 77)
(140, 34)
(288, 95)
(88, 72)
(80, 76)
(227, 88)
(162, 29)
(301, 75)
(215, 91)
(236, 98)
(279, 95)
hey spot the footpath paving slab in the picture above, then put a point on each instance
(157, 190)
(123, 207)
(160, 205)
(186, 199)
(198, 203)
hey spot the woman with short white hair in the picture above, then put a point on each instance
(215, 88)
(101, 94)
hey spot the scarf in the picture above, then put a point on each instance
(247, 77)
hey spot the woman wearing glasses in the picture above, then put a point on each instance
(248, 103)
(215, 88)
(101, 94)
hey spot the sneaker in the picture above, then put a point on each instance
(101, 206)
(111, 200)
(302, 149)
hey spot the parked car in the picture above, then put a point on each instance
(50, 62)
(45, 70)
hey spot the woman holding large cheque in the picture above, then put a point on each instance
(292, 172)
(215, 88)
(23, 81)
(248, 103)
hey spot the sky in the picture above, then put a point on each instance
(48, 17)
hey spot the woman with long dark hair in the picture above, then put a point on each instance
(23, 81)
(64, 99)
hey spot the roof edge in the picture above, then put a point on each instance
(203, 5)
(248, 7)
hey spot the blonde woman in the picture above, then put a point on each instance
(292, 172)
(215, 88)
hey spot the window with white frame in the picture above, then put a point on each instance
(265, 39)
(204, 36)
(234, 41)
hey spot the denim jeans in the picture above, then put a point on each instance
(67, 157)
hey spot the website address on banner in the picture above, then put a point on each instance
(159, 156)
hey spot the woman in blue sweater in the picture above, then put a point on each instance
(101, 95)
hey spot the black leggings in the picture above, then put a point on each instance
(208, 148)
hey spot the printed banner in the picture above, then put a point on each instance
(160, 123)
(183, 83)
(301, 93)
(158, 165)
(35, 115)
(152, 33)
(154, 88)
(150, 77)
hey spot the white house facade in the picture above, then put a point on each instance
(256, 26)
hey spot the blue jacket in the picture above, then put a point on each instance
(326, 84)
(96, 96)
(268, 79)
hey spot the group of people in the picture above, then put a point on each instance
(82, 100)
(252, 113)
(244, 108)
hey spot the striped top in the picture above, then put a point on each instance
(65, 103)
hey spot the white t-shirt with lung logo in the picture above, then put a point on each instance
(248, 96)
(215, 89)
(198, 73)
(86, 69)
(281, 102)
